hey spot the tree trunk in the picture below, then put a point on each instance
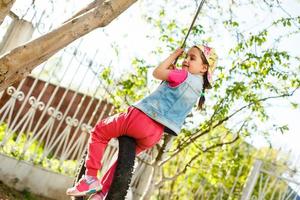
(5, 6)
(16, 64)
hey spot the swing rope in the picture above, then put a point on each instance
(191, 26)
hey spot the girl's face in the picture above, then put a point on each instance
(193, 62)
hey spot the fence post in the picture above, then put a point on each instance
(251, 180)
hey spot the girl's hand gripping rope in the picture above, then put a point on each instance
(161, 72)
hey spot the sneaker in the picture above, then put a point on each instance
(97, 196)
(85, 186)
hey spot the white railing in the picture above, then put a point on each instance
(38, 114)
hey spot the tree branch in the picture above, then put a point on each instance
(19, 62)
(164, 178)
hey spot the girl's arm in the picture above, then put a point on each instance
(161, 72)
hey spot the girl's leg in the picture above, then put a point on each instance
(97, 145)
(146, 133)
(103, 132)
(100, 136)
(106, 180)
(135, 124)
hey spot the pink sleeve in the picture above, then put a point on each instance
(176, 77)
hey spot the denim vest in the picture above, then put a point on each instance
(171, 105)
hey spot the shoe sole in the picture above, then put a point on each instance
(85, 193)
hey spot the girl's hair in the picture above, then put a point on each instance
(206, 84)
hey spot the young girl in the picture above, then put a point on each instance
(164, 110)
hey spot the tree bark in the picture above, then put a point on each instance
(18, 63)
(5, 6)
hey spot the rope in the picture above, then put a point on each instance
(191, 26)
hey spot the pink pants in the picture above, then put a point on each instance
(133, 123)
